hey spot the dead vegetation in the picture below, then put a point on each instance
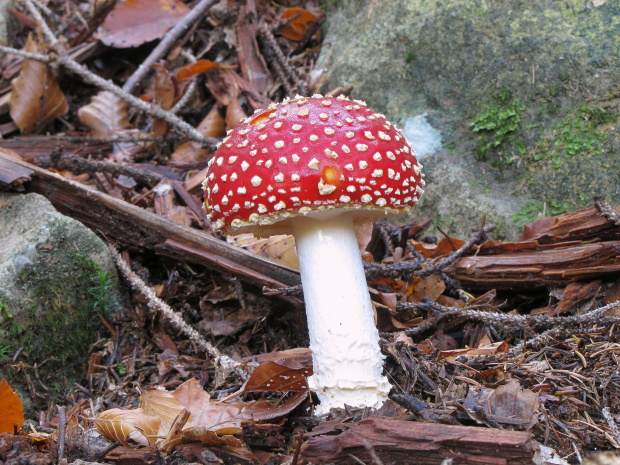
(494, 350)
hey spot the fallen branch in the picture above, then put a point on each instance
(408, 442)
(223, 362)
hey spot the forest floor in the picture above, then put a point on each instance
(498, 352)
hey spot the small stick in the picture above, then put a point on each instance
(91, 78)
(226, 363)
(62, 430)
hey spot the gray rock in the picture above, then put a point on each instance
(57, 278)
(524, 94)
(7, 25)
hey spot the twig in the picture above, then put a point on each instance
(605, 209)
(373, 453)
(91, 78)
(62, 432)
(224, 362)
(613, 427)
(288, 75)
(166, 43)
(23, 53)
(74, 163)
(293, 290)
(477, 236)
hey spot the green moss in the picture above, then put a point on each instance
(576, 134)
(56, 330)
(534, 210)
(498, 125)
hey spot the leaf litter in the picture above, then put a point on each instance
(535, 354)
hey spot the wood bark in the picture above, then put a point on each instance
(416, 443)
(137, 227)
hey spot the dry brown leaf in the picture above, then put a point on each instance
(234, 114)
(134, 22)
(164, 95)
(508, 404)
(226, 417)
(12, 417)
(495, 348)
(105, 115)
(208, 437)
(128, 426)
(36, 98)
(199, 67)
(418, 288)
(278, 248)
(296, 29)
(165, 406)
(214, 125)
(279, 375)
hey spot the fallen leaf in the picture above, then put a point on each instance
(199, 67)
(164, 405)
(164, 96)
(301, 355)
(226, 417)
(105, 115)
(214, 125)
(12, 417)
(296, 28)
(495, 348)
(279, 375)
(36, 98)
(234, 114)
(418, 288)
(135, 22)
(208, 437)
(128, 426)
(279, 248)
(508, 404)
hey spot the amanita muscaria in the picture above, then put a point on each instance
(315, 167)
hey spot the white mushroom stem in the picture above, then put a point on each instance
(343, 337)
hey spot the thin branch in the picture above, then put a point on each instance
(166, 43)
(91, 78)
(224, 362)
(477, 236)
(28, 55)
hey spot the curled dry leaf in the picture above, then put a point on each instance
(297, 27)
(496, 348)
(105, 115)
(278, 248)
(134, 22)
(279, 375)
(199, 67)
(36, 98)
(12, 417)
(128, 426)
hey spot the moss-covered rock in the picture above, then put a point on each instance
(57, 281)
(524, 93)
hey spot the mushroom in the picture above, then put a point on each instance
(315, 167)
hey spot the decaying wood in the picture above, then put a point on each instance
(539, 267)
(134, 226)
(574, 246)
(408, 442)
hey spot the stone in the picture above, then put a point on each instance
(57, 280)
(524, 95)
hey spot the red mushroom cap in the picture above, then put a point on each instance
(307, 155)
